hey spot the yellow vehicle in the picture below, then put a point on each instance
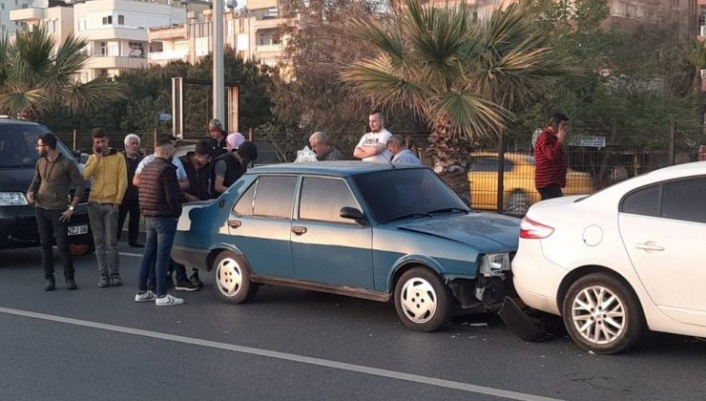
(519, 191)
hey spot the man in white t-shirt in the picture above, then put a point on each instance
(373, 145)
(181, 172)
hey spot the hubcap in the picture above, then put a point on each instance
(418, 300)
(598, 315)
(229, 277)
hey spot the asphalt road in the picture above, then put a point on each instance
(97, 344)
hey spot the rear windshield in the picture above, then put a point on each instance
(18, 145)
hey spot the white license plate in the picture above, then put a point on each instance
(78, 230)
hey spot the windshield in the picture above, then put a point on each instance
(18, 145)
(393, 194)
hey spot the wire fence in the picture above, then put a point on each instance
(594, 162)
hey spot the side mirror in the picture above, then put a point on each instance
(351, 213)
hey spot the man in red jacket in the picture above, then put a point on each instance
(550, 158)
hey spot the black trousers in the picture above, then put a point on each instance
(131, 206)
(551, 191)
(50, 226)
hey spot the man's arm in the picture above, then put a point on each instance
(90, 168)
(549, 146)
(78, 182)
(220, 173)
(171, 190)
(122, 180)
(34, 185)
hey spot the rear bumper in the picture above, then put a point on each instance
(191, 257)
(535, 278)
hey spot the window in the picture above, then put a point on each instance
(136, 49)
(684, 200)
(121, 20)
(323, 198)
(108, 20)
(644, 202)
(270, 196)
(103, 48)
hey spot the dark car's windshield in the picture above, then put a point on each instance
(394, 194)
(18, 145)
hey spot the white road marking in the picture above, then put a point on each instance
(471, 388)
(137, 255)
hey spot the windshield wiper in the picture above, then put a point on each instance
(405, 216)
(449, 210)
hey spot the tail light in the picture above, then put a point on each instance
(530, 229)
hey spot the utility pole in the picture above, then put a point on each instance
(218, 69)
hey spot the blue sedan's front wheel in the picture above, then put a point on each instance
(422, 300)
(232, 279)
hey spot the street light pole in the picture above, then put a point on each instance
(218, 69)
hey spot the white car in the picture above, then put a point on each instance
(629, 258)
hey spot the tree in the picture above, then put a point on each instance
(465, 79)
(36, 76)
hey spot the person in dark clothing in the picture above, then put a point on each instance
(54, 175)
(131, 204)
(198, 169)
(218, 137)
(550, 158)
(227, 168)
(160, 203)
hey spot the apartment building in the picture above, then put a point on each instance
(8, 27)
(252, 32)
(116, 30)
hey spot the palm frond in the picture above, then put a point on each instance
(17, 98)
(87, 96)
(469, 115)
(69, 60)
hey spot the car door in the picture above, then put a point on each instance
(325, 247)
(260, 224)
(663, 228)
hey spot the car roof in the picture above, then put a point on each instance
(337, 168)
(515, 157)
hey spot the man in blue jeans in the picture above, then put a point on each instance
(49, 190)
(160, 204)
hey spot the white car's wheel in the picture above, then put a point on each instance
(232, 279)
(602, 314)
(422, 301)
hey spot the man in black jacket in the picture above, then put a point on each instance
(131, 204)
(227, 168)
(160, 203)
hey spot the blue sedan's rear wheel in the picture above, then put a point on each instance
(232, 279)
(422, 300)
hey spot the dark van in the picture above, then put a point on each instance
(18, 157)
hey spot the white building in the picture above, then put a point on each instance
(8, 26)
(116, 30)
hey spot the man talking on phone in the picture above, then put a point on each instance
(107, 168)
(550, 158)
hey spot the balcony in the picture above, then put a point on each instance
(169, 55)
(106, 34)
(167, 33)
(269, 48)
(115, 62)
(27, 14)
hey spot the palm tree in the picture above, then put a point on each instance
(463, 78)
(36, 75)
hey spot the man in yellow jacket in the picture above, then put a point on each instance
(108, 172)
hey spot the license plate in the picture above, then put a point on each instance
(78, 230)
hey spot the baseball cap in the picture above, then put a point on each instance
(215, 123)
(235, 139)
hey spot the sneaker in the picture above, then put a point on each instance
(71, 284)
(50, 284)
(115, 280)
(185, 285)
(146, 296)
(195, 280)
(168, 300)
(104, 282)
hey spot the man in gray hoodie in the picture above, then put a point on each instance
(54, 176)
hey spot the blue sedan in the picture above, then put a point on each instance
(364, 230)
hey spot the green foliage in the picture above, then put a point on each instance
(34, 79)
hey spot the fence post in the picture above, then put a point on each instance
(672, 144)
(501, 173)
(74, 140)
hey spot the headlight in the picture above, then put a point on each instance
(494, 264)
(12, 198)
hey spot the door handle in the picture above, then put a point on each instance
(299, 230)
(649, 246)
(235, 223)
